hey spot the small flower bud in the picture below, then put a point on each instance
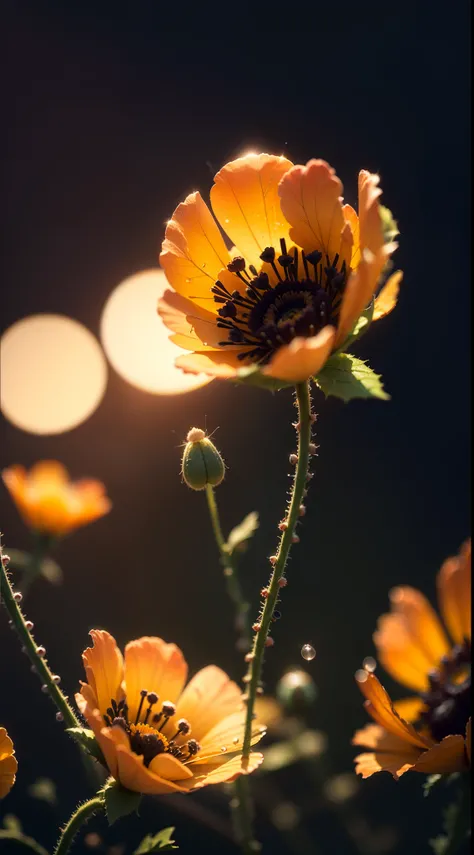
(29, 624)
(18, 597)
(202, 464)
(59, 716)
(283, 582)
(269, 642)
(295, 539)
(296, 691)
(256, 627)
(283, 525)
(41, 652)
(273, 559)
(293, 459)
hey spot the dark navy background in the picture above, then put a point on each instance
(111, 121)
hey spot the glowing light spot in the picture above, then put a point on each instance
(53, 374)
(308, 652)
(369, 664)
(136, 340)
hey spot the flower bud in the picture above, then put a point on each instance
(296, 691)
(201, 464)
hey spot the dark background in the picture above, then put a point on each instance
(111, 120)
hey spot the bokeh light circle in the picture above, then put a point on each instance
(53, 374)
(136, 340)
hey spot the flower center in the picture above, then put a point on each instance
(146, 732)
(448, 700)
(305, 299)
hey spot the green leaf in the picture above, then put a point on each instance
(119, 801)
(252, 376)
(160, 842)
(359, 329)
(389, 224)
(347, 377)
(86, 739)
(243, 531)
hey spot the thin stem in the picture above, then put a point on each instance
(17, 837)
(303, 401)
(79, 817)
(35, 652)
(228, 562)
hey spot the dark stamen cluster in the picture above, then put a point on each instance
(448, 700)
(146, 737)
(306, 298)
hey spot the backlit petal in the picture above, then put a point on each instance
(409, 708)
(213, 363)
(351, 217)
(387, 298)
(193, 251)
(222, 772)
(155, 666)
(381, 709)
(108, 738)
(371, 233)
(103, 664)
(245, 200)
(207, 699)
(454, 594)
(443, 759)
(360, 289)
(410, 640)
(135, 776)
(390, 753)
(311, 202)
(194, 327)
(170, 768)
(226, 737)
(302, 358)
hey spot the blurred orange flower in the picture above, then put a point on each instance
(303, 269)
(158, 735)
(430, 732)
(8, 763)
(52, 504)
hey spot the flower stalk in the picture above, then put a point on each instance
(234, 588)
(303, 402)
(80, 816)
(36, 653)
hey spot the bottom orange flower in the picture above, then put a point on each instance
(431, 732)
(156, 734)
(8, 763)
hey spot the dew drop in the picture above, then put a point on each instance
(369, 664)
(227, 221)
(308, 652)
(223, 749)
(235, 740)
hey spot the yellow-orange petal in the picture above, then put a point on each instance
(245, 200)
(49, 471)
(387, 298)
(311, 202)
(409, 708)
(8, 763)
(108, 738)
(226, 737)
(302, 358)
(380, 707)
(193, 251)
(170, 768)
(371, 232)
(360, 289)
(208, 699)
(390, 753)
(214, 363)
(134, 775)
(410, 640)
(193, 327)
(220, 773)
(103, 664)
(454, 594)
(351, 217)
(155, 666)
(446, 757)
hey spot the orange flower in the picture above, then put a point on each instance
(51, 504)
(303, 269)
(157, 735)
(8, 763)
(431, 732)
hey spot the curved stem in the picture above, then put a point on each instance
(297, 494)
(228, 562)
(17, 837)
(79, 817)
(35, 652)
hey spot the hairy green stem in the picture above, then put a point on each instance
(36, 653)
(81, 815)
(241, 804)
(228, 562)
(303, 402)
